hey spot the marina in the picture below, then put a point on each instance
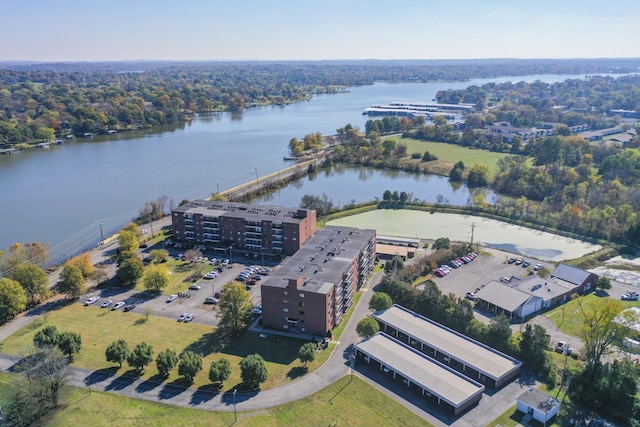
(411, 109)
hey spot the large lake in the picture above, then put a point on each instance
(61, 194)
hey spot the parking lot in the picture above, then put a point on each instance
(491, 264)
(191, 301)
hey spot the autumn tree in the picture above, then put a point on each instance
(478, 175)
(156, 277)
(128, 240)
(599, 329)
(158, 256)
(233, 308)
(83, 263)
(12, 298)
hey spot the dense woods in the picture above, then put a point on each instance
(40, 102)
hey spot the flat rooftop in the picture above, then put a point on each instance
(322, 259)
(212, 208)
(429, 374)
(472, 353)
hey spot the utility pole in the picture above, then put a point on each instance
(473, 226)
(101, 234)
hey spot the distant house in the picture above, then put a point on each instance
(538, 405)
(509, 132)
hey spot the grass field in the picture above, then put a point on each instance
(568, 317)
(451, 154)
(98, 328)
(344, 402)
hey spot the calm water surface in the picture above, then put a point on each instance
(59, 195)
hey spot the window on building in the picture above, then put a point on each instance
(301, 304)
(285, 293)
(301, 295)
(301, 313)
(285, 309)
(285, 326)
(284, 301)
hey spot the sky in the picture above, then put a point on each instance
(92, 30)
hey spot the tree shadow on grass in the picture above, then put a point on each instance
(207, 344)
(124, 380)
(272, 348)
(205, 393)
(140, 321)
(100, 375)
(150, 383)
(174, 388)
(297, 371)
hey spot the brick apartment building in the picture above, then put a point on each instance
(312, 290)
(246, 228)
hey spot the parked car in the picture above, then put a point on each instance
(511, 260)
(563, 347)
(172, 297)
(537, 267)
(194, 287)
(256, 277)
(182, 317)
(470, 296)
(225, 262)
(189, 317)
(251, 282)
(506, 279)
(106, 304)
(630, 296)
(439, 273)
(257, 309)
(118, 305)
(91, 300)
(518, 261)
(526, 264)
(129, 307)
(211, 300)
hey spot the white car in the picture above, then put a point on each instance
(172, 297)
(106, 304)
(182, 317)
(118, 305)
(91, 300)
(211, 300)
(188, 318)
(537, 267)
(257, 309)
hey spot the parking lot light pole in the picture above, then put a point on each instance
(235, 414)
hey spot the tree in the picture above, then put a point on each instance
(46, 372)
(533, 347)
(219, 371)
(599, 330)
(46, 337)
(156, 278)
(128, 240)
(192, 254)
(253, 371)
(499, 333)
(83, 262)
(380, 301)
(71, 282)
(307, 353)
(190, 364)
(367, 327)
(117, 352)
(396, 263)
(141, 356)
(478, 175)
(442, 243)
(69, 343)
(33, 280)
(166, 361)
(129, 271)
(12, 298)
(234, 308)
(457, 173)
(321, 204)
(158, 256)
(603, 283)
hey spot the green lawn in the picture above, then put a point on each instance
(450, 153)
(568, 317)
(345, 402)
(98, 328)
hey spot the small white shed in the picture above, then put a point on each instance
(540, 406)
